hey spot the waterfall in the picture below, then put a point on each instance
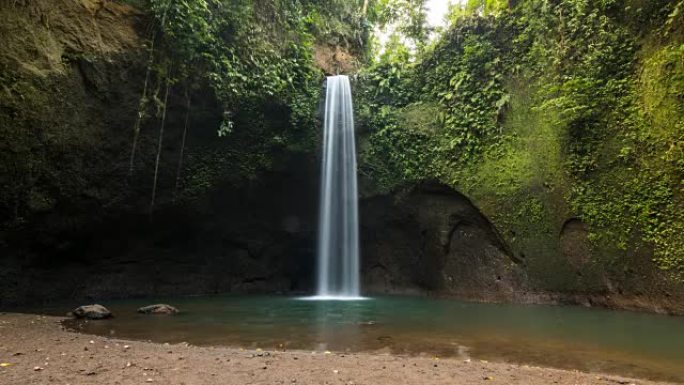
(338, 228)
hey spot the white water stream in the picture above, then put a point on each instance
(338, 228)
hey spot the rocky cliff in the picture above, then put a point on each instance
(76, 222)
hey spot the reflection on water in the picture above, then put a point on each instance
(641, 345)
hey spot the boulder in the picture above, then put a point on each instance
(158, 309)
(93, 312)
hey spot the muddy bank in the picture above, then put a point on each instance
(39, 351)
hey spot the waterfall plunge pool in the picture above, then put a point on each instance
(624, 343)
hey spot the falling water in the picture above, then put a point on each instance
(338, 228)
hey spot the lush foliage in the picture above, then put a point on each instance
(606, 133)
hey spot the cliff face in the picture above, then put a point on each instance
(70, 72)
(70, 75)
(75, 223)
(563, 125)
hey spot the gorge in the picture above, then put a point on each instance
(77, 226)
(208, 153)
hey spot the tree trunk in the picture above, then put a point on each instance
(364, 10)
(159, 144)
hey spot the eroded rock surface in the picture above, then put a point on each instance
(433, 239)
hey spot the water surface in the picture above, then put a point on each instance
(630, 344)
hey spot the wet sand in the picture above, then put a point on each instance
(37, 350)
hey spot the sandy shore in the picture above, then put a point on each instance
(37, 350)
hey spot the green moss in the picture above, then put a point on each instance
(550, 112)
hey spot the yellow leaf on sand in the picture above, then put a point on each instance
(4, 364)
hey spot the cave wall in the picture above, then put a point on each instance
(432, 239)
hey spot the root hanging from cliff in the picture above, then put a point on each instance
(143, 99)
(160, 142)
(142, 105)
(182, 148)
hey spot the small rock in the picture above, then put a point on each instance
(158, 309)
(93, 312)
(37, 368)
(488, 378)
(336, 371)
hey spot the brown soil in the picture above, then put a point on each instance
(39, 351)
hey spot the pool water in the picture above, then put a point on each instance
(624, 343)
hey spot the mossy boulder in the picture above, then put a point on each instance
(158, 309)
(92, 312)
